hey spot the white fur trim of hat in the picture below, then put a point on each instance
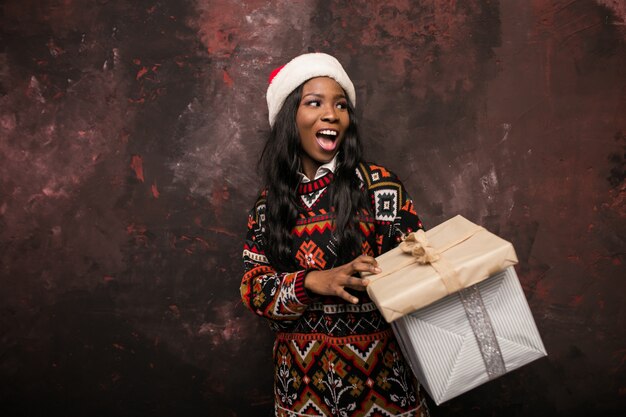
(300, 69)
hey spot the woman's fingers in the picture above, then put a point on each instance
(347, 296)
(368, 262)
(365, 266)
(367, 259)
(356, 283)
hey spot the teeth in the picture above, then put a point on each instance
(328, 132)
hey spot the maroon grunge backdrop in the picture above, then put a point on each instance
(129, 132)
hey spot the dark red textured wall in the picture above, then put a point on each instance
(128, 135)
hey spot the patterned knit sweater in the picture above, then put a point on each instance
(332, 358)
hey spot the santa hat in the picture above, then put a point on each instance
(287, 78)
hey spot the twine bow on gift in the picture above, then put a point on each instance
(419, 247)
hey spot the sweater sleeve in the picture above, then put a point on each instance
(394, 211)
(278, 296)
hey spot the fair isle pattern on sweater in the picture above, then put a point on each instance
(332, 358)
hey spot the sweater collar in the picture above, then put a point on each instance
(321, 171)
(316, 185)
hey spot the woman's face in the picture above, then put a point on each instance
(322, 119)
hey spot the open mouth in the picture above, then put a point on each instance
(327, 139)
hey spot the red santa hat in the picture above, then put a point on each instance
(287, 78)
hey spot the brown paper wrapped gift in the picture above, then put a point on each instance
(430, 265)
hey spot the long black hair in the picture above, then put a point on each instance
(279, 164)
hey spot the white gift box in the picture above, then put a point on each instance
(445, 343)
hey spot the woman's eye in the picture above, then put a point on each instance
(342, 105)
(314, 103)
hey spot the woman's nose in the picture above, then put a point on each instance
(330, 114)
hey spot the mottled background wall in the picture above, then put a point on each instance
(128, 135)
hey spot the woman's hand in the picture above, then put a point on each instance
(334, 281)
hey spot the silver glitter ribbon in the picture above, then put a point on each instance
(483, 331)
(418, 245)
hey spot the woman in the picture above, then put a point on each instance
(322, 217)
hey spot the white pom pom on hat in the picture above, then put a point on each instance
(287, 78)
